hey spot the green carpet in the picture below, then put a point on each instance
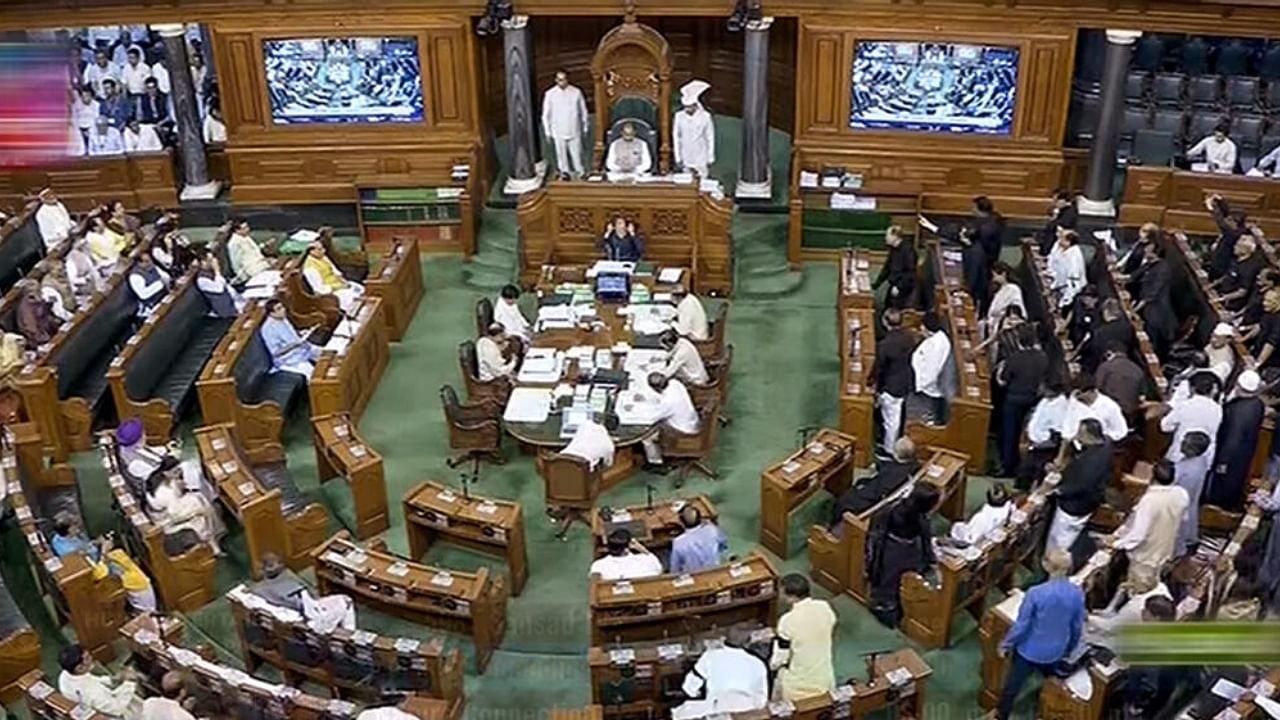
(785, 377)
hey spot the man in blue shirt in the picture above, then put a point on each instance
(699, 546)
(1050, 622)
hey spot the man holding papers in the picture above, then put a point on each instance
(691, 317)
(683, 360)
(675, 410)
(492, 355)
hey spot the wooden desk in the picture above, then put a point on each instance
(341, 452)
(655, 526)
(563, 224)
(825, 462)
(344, 660)
(397, 280)
(141, 180)
(1170, 197)
(857, 400)
(433, 512)
(44, 701)
(853, 287)
(156, 652)
(839, 563)
(928, 610)
(345, 381)
(470, 603)
(667, 605)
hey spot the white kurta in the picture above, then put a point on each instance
(490, 360)
(1150, 533)
(215, 132)
(929, 360)
(1047, 418)
(1221, 156)
(629, 157)
(144, 141)
(691, 319)
(685, 363)
(54, 222)
(97, 693)
(988, 518)
(694, 140)
(564, 120)
(1066, 272)
(513, 322)
(734, 681)
(162, 708)
(1104, 410)
(106, 143)
(592, 443)
(1009, 295)
(347, 295)
(676, 410)
(1196, 413)
(631, 566)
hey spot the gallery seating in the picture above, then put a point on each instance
(179, 564)
(237, 386)
(257, 487)
(154, 376)
(358, 664)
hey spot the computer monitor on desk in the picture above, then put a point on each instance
(613, 287)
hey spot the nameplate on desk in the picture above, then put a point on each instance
(81, 712)
(622, 656)
(126, 501)
(407, 645)
(621, 516)
(1250, 522)
(855, 366)
(842, 695)
(442, 579)
(999, 535)
(398, 569)
(682, 581)
(145, 637)
(790, 467)
(340, 708)
(898, 677)
(246, 488)
(332, 372)
(23, 512)
(40, 690)
(359, 451)
(15, 487)
(782, 709)
(53, 564)
(486, 508)
(972, 392)
(935, 470)
(340, 430)
(670, 651)
(853, 389)
(363, 637)
(738, 571)
(446, 496)
(1233, 549)
(230, 467)
(218, 444)
(623, 588)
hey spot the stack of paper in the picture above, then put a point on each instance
(541, 365)
(611, 267)
(808, 179)
(670, 276)
(530, 405)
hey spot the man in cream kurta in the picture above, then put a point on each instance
(1150, 534)
(564, 121)
(629, 155)
(694, 132)
(52, 218)
(803, 649)
(691, 317)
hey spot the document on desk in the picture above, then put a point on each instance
(670, 276)
(1228, 690)
(611, 267)
(1269, 706)
(808, 179)
(528, 405)
(636, 412)
(639, 361)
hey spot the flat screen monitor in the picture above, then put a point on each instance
(934, 87)
(343, 80)
(613, 287)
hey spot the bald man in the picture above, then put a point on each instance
(168, 704)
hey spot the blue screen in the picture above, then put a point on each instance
(934, 87)
(343, 80)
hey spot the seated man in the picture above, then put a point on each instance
(52, 219)
(95, 692)
(691, 317)
(104, 139)
(149, 283)
(1126, 607)
(992, 515)
(34, 318)
(495, 356)
(621, 242)
(291, 351)
(1218, 151)
(675, 410)
(223, 299)
(82, 273)
(175, 507)
(627, 559)
(725, 679)
(139, 138)
(249, 265)
(324, 278)
(628, 154)
(105, 560)
(889, 477)
(140, 460)
(683, 360)
(171, 703)
(281, 588)
(153, 106)
(592, 441)
(700, 545)
(506, 312)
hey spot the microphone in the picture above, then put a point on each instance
(803, 433)
(648, 497)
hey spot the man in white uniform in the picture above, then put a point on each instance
(627, 559)
(1066, 267)
(1087, 402)
(592, 442)
(694, 134)
(91, 691)
(691, 317)
(53, 219)
(564, 122)
(1219, 151)
(929, 364)
(726, 679)
(489, 355)
(683, 360)
(1199, 412)
(629, 155)
(675, 410)
(506, 312)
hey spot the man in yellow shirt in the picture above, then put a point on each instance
(802, 650)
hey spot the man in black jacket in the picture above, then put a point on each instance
(1062, 216)
(891, 375)
(1081, 485)
(989, 227)
(889, 476)
(899, 270)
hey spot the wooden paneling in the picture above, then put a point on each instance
(700, 48)
(140, 181)
(1176, 198)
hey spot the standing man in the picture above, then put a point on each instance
(1237, 440)
(1200, 412)
(1190, 474)
(891, 375)
(1150, 533)
(899, 270)
(52, 218)
(700, 545)
(1062, 216)
(694, 134)
(564, 122)
(802, 649)
(1081, 484)
(627, 559)
(1049, 625)
(929, 365)
(726, 679)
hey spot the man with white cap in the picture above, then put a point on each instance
(1199, 412)
(564, 122)
(1222, 358)
(53, 219)
(694, 133)
(1237, 440)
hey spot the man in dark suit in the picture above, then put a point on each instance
(889, 476)
(1062, 216)
(988, 227)
(153, 106)
(891, 375)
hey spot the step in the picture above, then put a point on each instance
(494, 260)
(483, 280)
(763, 269)
(771, 286)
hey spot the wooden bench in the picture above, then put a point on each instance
(838, 563)
(494, 527)
(340, 452)
(655, 526)
(473, 604)
(46, 703)
(95, 609)
(181, 566)
(666, 605)
(237, 386)
(397, 280)
(345, 381)
(259, 490)
(825, 462)
(355, 664)
(857, 399)
(154, 376)
(929, 608)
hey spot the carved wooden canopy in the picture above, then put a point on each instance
(632, 61)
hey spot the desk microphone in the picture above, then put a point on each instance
(648, 497)
(870, 658)
(466, 485)
(803, 433)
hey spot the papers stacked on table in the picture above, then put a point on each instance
(541, 365)
(557, 317)
(670, 276)
(639, 362)
(528, 405)
(636, 406)
(612, 267)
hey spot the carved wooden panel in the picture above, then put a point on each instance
(670, 222)
(825, 81)
(245, 93)
(448, 76)
(576, 220)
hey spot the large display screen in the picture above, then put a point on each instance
(934, 87)
(343, 80)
